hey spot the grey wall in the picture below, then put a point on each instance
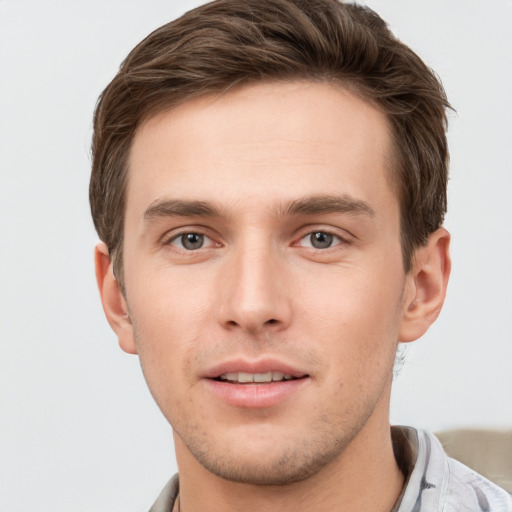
(78, 429)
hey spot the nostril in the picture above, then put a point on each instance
(271, 321)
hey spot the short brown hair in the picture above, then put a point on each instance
(228, 43)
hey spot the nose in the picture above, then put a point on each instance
(255, 296)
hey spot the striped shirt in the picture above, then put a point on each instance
(437, 483)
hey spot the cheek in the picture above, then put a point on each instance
(354, 317)
(166, 303)
(168, 321)
(352, 299)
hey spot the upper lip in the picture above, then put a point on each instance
(259, 366)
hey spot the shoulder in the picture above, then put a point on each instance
(468, 490)
(166, 499)
(437, 483)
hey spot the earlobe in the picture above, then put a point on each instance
(112, 299)
(425, 288)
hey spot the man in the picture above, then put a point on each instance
(269, 184)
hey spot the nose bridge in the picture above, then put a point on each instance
(254, 294)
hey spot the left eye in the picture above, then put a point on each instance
(190, 241)
(320, 240)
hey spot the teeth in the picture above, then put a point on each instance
(262, 377)
(244, 378)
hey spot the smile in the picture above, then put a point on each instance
(255, 384)
(257, 378)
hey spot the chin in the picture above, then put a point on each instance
(268, 465)
(286, 470)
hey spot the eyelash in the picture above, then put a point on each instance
(179, 236)
(336, 240)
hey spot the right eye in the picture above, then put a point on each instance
(190, 241)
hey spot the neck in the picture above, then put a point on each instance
(364, 477)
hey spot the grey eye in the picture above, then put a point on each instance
(321, 240)
(192, 241)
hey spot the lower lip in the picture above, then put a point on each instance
(255, 396)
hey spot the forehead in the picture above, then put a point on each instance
(290, 139)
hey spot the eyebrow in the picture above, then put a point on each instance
(311, 205)
(179, 208)
(316, 205)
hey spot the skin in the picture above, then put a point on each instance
(274, 163)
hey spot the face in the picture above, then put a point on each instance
(264, 276)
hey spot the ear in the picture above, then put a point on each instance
(425, 287)
(114, 303)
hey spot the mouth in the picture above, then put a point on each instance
(255, 385)
(256, 378)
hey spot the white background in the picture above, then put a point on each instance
(79, 430)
